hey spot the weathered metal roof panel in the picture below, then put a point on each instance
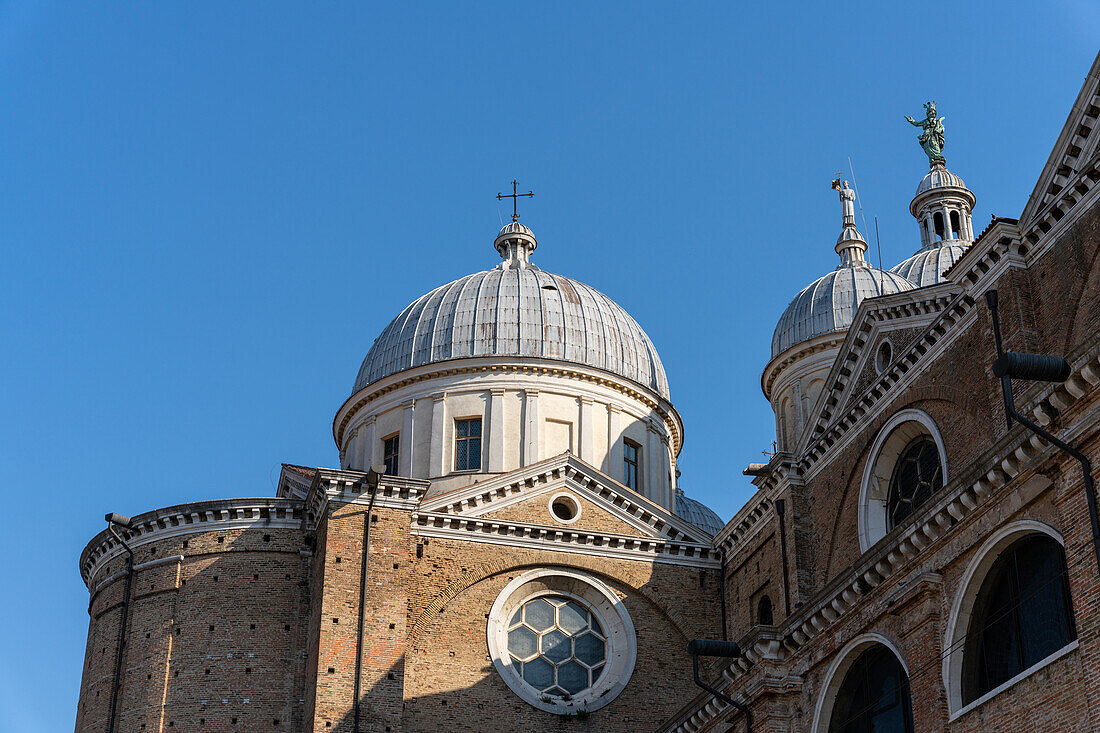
(516, 311)
(830, 303)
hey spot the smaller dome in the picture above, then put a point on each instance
(938, 177)
(829, 303)
(698, 514)
(514, 227)
(850, 234)
(927, 266)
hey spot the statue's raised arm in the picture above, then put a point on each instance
(933, 138)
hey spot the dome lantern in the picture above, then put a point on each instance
(942, 207)
(515, 243)
(850, 245)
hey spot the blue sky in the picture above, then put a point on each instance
(208, 213)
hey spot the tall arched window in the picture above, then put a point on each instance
(764, 613)
(906, 464)
(1021, 616)
(874, 697)
(917, 475)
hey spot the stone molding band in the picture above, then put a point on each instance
(631, 389)
(189, 519)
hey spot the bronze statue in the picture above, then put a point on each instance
(932, 139)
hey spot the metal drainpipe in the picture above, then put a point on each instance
(722, 593)
(372, 485)
(706, 648)
(122, 628)
(1039, 367)
(781, 511)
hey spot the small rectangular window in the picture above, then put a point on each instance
(468, 444)
(391, 453)
(631, 455)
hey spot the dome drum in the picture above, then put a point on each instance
(506, 367)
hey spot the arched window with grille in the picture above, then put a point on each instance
(1022, 615)
(874, 696)
(918, 474)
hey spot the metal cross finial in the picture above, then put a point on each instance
(515, 199)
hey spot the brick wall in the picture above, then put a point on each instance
(216, 637)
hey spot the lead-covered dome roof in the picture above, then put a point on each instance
(928, 265)
(830, 303)
(698, 513)
(516, 310)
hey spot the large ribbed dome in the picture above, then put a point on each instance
(516, 311)
(829, 303)
(927, 266)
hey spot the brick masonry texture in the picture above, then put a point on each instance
(249, 629)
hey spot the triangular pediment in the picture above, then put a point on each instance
(855, 377)
(606, 507)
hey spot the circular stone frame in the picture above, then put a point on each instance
(622, 651)
(566, 497)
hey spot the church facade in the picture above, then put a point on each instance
(505, 544)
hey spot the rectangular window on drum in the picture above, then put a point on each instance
(391, 453)
(468, 444)
(631, 454)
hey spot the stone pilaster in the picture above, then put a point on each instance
(496, 431)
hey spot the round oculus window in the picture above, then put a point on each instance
(565, 508)
(884, 356)
(562, 641)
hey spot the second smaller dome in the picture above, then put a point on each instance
(829, 303)
(927, 266)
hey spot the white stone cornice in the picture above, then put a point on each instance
(350, 487)
(189, 519)
(497, 366)
(562, 539)
(620, 501)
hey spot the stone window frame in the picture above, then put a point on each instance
(838, 670)
(572, 499)
(481, 444)
(636, 464)
(395, 454)
(962, 606)
(881, 365)
(602, 601)
(901, 429)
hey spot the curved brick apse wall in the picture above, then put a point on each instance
(216, 636)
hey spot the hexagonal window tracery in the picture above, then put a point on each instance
(557, 644)
(917, 475)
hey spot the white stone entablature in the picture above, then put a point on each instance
(530, 410)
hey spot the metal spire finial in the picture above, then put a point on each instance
(515, 199)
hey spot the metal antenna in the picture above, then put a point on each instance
(878, 246)
(855, 185)
(515, 199)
